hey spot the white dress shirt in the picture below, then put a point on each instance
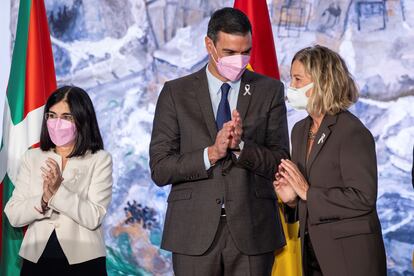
(214, 88)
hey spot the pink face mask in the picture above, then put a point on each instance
(232, 67)
(61, 132)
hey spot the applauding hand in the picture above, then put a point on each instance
(52, 178)
(292, 175)
(284, 191)
(236, 130)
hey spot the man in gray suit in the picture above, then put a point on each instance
(222, 216)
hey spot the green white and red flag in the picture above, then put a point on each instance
(32, 79)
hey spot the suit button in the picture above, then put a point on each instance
(218, 201)
(57, 225)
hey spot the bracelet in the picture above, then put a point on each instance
(44, 206)
(44, 201)
(45, 209)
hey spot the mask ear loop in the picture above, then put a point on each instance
(215, 50)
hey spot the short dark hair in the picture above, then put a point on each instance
(228, 20)
(81, 108)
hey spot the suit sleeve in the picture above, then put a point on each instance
(264, 159)
(24, 207)
(168, 164)
(88, 212)
(358, 195)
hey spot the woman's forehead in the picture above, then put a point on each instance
(60, 107)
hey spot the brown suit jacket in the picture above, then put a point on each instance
(340, 211)
(184, 125)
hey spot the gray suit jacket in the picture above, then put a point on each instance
(340, 211)
(184, 125)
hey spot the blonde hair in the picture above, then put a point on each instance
(334, 89)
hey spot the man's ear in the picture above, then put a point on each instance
(208, 42)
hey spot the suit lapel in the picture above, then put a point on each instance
(200, 85)
(320, 140)
(303, 144)
(245, 94)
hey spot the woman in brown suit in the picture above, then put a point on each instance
(331, 183)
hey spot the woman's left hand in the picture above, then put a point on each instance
(295, 178)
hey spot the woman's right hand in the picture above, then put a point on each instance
(284, 191)
(52, 178)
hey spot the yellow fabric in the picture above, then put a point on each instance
(288, 260)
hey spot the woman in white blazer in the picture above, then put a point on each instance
(63, 190)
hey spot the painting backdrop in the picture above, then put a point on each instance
(122, 51)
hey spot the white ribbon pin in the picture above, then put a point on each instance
(247, 90)
(321, 139)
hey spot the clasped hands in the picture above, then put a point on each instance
(290, 183)
(52, 178)
(229, 137)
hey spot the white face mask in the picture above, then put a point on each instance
(297, 96)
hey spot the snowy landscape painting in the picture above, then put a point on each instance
(122, 52)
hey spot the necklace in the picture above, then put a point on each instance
(311, 135)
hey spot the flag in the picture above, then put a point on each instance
(263, 56)
(264, 61)
(31, 81)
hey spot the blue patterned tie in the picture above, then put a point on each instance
(223, 111)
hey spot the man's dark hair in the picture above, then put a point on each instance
(230, 21)
(81, 108)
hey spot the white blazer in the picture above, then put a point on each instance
(76, 209)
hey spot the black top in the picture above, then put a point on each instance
(53, 249)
